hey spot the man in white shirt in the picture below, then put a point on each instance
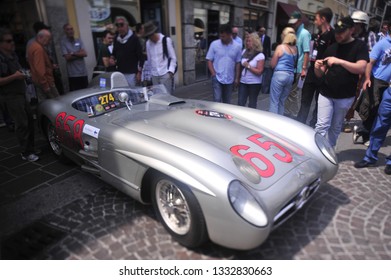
(161, 55)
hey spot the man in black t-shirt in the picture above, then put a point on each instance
(323, 39)
(343, 62)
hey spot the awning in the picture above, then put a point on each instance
(284, 11)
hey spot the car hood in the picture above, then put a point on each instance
(218, 134)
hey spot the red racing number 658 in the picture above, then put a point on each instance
(64, 128)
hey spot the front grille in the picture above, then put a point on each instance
(296, 203)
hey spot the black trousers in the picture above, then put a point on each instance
(375, 98)
(308, 93)
(20, 111)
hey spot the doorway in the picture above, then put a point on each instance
(206, 30)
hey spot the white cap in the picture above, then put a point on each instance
(360, 17)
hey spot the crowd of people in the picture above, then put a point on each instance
(342, 69)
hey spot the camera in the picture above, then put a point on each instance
(27, 75)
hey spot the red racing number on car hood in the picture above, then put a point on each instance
(282, 154)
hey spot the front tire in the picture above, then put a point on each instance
(179, 211)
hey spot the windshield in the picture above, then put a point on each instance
(103, 102)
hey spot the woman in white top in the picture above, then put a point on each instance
(252, 62)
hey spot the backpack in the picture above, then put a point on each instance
(165, 54)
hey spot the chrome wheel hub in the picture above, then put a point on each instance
(173, 207)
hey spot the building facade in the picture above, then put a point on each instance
(192, 24)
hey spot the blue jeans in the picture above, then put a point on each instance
(279, 90)
(221, 92)
(380, 128)
(331, 114)
(249, 91)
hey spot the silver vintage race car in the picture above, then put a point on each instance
(213, 171)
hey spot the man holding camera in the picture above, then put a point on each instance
(339, 71)
(12, 95)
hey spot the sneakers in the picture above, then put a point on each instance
(30, 157)
(357, 133)
(364, 163)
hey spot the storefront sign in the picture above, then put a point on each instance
(99, 15)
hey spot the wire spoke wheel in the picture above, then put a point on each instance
(53, 139)
(178, 210)
(173, 207)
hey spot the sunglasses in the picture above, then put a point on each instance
(120, 24)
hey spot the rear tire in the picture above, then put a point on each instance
(179, 211)
(54, 142)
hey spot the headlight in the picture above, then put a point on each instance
(326, 149)
(247, 170)
(245, 205)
